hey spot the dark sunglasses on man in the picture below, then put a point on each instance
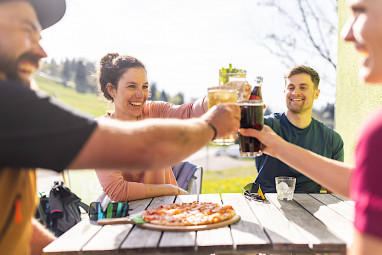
(252, 191)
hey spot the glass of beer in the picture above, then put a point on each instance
(235, 79)
(252, 116)
(221, 95)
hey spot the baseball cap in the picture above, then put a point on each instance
(49, 12)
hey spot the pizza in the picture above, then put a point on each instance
(188, 214)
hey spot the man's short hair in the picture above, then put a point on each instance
(304, 69)
(49, 12)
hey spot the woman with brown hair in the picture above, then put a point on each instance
(123, 81)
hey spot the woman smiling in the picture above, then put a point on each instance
(123, 81)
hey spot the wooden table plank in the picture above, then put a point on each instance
(185, 241)
(214, 240)
(345, 199)
(247, 233)
(139, 205)
(272, 227)
(336, 204)
(319, 237)
(111, 237)
(285, 235)
(144, 240)
(72, 241)
(337, 224)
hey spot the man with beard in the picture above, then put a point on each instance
(297, 126)
(37, 132)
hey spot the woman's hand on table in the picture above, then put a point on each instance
(183, 192)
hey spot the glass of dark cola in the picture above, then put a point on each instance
(252, 116)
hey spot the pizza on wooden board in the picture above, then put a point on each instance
(188, 214)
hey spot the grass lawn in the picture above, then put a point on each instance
(85, 102)
(227, 181)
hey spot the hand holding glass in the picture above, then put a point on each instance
(221, 95)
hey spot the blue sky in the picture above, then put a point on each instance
(182, 43)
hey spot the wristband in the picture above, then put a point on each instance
(213, 128)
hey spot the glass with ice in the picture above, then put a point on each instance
(285, 187)
(235, 78)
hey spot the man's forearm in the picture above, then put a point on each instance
(142, 145)
(366, 244)
(332, 174)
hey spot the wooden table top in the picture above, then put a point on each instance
(309, 223)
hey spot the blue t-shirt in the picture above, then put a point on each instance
(317, 137)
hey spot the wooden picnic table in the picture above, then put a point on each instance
(309, 223)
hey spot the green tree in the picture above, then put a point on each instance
(153, 91)
(163, 96)
(178, 99)
(53, 68)
(73, 65)
(91, 80)
(81, 77)
(66, 72)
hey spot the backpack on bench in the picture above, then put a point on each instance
(60, 210)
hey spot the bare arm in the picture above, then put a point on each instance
(41, 237)
(128, 187)
(365, 244)
(205, 104)
(153, 143)
(330, 173)
(156, 190)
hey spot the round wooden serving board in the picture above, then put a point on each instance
(190, 228)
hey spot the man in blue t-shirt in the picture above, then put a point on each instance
(297, 126)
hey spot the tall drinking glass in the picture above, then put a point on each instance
(221, 95)
(235, 79)
(252, 116)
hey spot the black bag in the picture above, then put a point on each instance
(61, 210)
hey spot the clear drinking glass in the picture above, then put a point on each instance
(235, 79)
(252, 116)
(221, 95)
(285, 187)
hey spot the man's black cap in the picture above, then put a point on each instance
(49, 12)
